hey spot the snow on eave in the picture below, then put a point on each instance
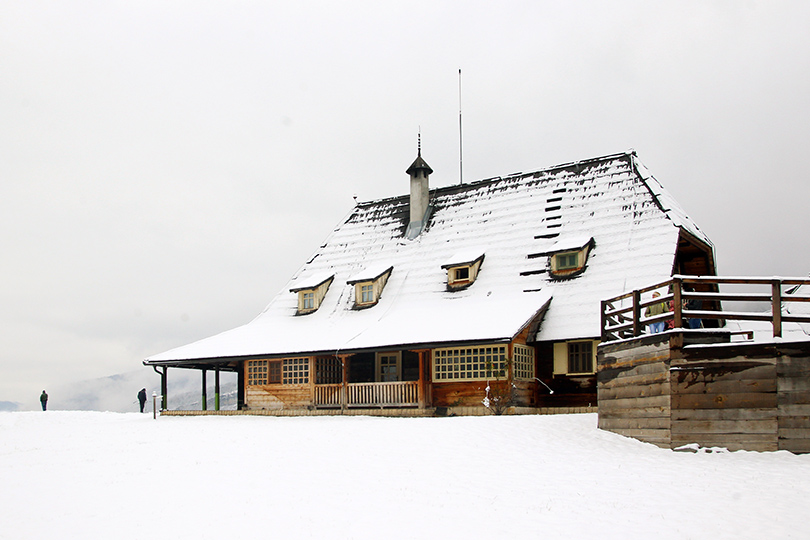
(370, 273)
(468, 256)
(570, 244)
(312, 282)
(666, 202)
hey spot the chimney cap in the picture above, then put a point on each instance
(419, 164)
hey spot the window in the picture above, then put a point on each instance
(307, 300)
(328, 370)
(469, 363)
(461, 274)
(295, 371)
(567, 261)
(523, 363)
(274, 373)
(388, 367)
(257, 372)
(366, 293)
(575, 357)
(580, 357)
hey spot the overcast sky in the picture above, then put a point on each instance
(166, 166)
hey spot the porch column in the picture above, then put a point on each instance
(204, 390)
(216, 388)
(344, 392)
(164, 389)
(420, 388)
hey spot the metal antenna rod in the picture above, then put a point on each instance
(460, 155)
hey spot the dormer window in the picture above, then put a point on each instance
(568, 256)
(368, 285)
(311, 291)
(462, 269)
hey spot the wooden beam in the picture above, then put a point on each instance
(216, 388)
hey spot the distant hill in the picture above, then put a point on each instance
(118, 393)
(7, 406)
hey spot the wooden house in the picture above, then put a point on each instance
(447, 298)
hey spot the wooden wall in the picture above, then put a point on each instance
(793, 372)
(746, 396)
(283, 396)
(633, 389)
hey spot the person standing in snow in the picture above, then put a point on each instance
(43, 399)
(142, 397)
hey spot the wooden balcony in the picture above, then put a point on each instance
(622, 316)
(376, 394)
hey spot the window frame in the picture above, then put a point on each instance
(454, 364)
(562, 357)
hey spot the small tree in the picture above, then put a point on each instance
(499, 394)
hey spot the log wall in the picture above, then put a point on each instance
(668, 391)
(633, 390)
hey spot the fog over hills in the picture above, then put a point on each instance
(118, 393)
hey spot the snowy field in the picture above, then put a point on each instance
(109, 475)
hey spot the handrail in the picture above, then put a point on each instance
(621, 316)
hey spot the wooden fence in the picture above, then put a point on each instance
(622, 316)
(377, 394)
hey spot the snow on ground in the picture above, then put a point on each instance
(110, 475)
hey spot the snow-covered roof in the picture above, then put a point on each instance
(516, 221)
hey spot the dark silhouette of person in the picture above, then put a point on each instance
(142, 397)
(43, 398)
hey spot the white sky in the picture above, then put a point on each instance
(166, 166)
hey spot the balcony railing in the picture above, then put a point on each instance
(378, 394)
(622, 316)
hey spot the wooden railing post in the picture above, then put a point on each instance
(603, 318)
(677, 304)
(776, 307)
(636, 313)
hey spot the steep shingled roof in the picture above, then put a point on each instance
(515, 222)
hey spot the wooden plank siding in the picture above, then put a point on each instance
(633, 390)
(794, 402)
(672, 390)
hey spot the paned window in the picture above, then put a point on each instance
(295, 371)
(566, 261)
(308, 300)
(580, 357)
(469, 363)
(257, 372)
(328, 370)
(274, 372)
(366, 293)
(524, 363)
